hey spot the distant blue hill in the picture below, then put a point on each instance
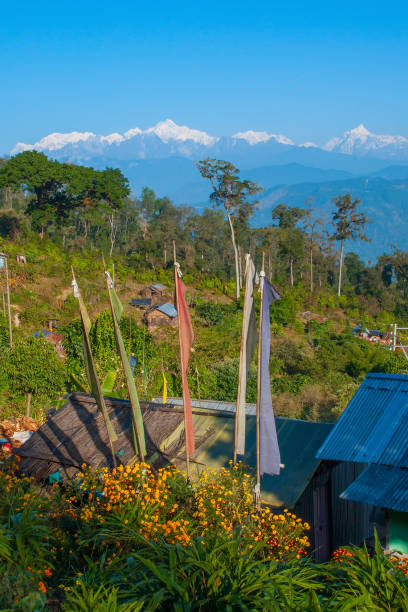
(385, 202)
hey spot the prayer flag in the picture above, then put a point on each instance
(248, 344)
(186, 342)
(269, 447)
(90, 365)
(117, 310)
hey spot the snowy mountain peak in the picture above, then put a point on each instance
(114, 138)
(169, 130)
(360, 131)
(362, 141)
(54, 141)
(309, 145)
(132, 132)
(254, 138)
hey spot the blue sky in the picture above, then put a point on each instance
(308, 70)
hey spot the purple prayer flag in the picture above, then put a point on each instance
(269, 447)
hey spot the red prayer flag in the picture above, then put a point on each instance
(186, 342)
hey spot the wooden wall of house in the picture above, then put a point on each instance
(352, 522)
(349, 522)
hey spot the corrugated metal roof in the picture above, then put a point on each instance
(298, 443)
(167, 309)
(374, 426)
(141, 301)
(381, 486)
(208, 404)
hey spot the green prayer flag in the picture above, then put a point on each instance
(90, 364)
(117, 310)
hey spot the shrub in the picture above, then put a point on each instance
(210, 312)
(373, 582)
(226, 376)
(32, 366)
(11, 225)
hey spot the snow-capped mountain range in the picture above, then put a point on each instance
(167, 139)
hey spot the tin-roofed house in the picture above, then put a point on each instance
(161, 314)
(372, 434)
(155, 291)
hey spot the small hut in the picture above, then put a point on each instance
(160, 315)
(154, 291)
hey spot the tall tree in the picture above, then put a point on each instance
(234, 194)
(349, 225)
(313, 226)
(57, 189)
(291, 238)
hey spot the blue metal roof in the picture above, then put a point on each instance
(168, 309)
(374, 426)
(381, 486)
(141, 301)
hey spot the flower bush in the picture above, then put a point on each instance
(133, 500)
(147, 503)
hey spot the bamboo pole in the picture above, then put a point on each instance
(8, 303)
(241, 353)
(181, 359)
(258, 396)
(123, 358)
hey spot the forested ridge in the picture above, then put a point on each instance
(59, 214)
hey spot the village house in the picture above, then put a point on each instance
(156, 292)
(372, 435)
(161, 314)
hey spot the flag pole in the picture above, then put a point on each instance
(124, 359)
(241, 354)
(258, 395)
(181, 358)
(8, 301)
